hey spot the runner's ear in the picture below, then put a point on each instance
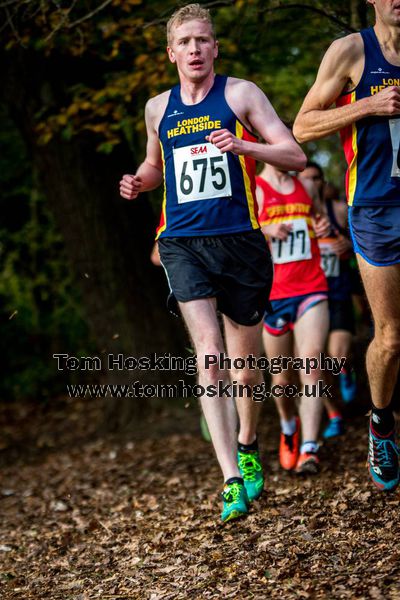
(171, 54)
(216, 49)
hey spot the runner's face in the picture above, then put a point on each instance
(387, 11)
(315, 176)
(193, 49)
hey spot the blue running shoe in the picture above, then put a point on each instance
(251, 470)
(383, 461)
(348, 386)
(334, 428)
(235, 501)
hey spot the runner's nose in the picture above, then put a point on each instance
(194, 47)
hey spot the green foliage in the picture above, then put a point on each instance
(40, 311)
(278, 44)
(105, 59)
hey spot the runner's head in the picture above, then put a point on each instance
(190, 12)
(191, 42)
(331, 192)
(387, 12)
(314, 172)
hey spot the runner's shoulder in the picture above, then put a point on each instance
(240, 86)
(242, 96)
(155, 107)
(346, 51)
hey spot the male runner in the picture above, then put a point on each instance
(299, 297)
(361, 73)
(200, 136)
(336, 250)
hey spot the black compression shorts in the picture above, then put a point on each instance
(341, 315)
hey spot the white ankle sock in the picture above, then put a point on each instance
(288, 427)
(309, 447)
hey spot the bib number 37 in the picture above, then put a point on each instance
(201, 172)
(330, 262)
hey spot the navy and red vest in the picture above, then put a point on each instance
(206, 192)
(371, 145)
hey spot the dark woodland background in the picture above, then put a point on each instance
(117, 499)
(75, 274)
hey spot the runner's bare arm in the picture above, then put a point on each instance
(277, 230)
(311, 189)
(321, 223)
(341, 212)
(149, 174)
(253, 108)
(341, 67)
(342, 243)
(260, 199)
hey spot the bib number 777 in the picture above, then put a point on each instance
(201, 172)
(297, 245)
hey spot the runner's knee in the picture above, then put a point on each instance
(246, 376)
(281, 379)
(387, 337)
(208, 363)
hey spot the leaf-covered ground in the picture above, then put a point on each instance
(85, 517)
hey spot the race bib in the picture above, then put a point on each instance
(297, 245)
(201, 172)
(330, 262)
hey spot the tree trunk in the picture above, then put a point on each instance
(108, 240)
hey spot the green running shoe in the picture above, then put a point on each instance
(251, 470)
(235, 501)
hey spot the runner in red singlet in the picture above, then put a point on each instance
(300, 319)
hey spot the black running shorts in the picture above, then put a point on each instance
(341, 315)
(235, 269)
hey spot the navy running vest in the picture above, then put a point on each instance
(206, 192)
(371, 145)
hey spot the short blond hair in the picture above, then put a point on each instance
(190, 12)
